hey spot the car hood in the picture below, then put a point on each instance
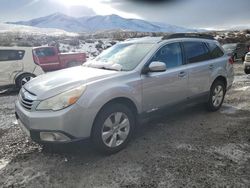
(51, 84)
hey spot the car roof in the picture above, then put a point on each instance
(173, 37)
(152, 40)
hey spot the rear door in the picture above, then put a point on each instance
(10, 64)
(47, 58)
(199, 67)
(161, 89)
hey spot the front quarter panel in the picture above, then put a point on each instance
(97, 94)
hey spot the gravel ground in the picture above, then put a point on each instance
(189, 147)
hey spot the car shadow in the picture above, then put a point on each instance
(9, 91)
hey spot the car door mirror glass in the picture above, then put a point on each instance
(157, 66)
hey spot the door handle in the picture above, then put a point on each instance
(211, 66)
(182, 74)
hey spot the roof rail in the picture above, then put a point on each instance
(188, 35)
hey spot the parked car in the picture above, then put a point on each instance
(103, 99)
(17, 66)
(49, 58)
(236, 50)
(247, 63)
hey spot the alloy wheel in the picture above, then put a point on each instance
(26, 79)
(115, 129)
(217, 97)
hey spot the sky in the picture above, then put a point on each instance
(210, 14)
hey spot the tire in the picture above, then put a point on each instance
(113, 128)
(23, 79)
(234, 57)
(73, 64)
(216, 100)
(247, 71)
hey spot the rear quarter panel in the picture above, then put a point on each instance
(223, 68)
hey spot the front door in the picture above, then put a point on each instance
(10, 64)
(165, 88)
(47, 58)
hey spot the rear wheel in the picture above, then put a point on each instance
(73, 64)
(217, 94)
(23, 79)
(234, 57)
(113, 128)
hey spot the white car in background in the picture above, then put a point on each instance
(247, 63)
(17, 66)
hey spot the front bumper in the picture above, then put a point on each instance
(74, 122)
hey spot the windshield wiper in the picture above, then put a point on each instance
(109, 68)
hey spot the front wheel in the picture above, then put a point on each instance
(23, 79)
(113, 128)
(216, 96)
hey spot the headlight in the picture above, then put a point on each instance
(62, 100)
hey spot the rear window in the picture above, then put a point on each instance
(196, 52)
(44, 52)
(215, 50)
(11, 55)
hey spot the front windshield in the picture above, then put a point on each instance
(123, 56)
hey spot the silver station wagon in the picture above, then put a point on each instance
(103, 99)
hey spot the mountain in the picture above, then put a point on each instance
(13, 28)
(99, 23)
(57, 21)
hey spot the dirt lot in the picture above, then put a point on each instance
(186, 148)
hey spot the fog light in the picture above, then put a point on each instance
(53, 136)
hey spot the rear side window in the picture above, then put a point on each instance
(170, 55)
(45, 52)
(196, 52)
(215, 50)
(11, 55)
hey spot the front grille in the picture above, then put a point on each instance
(26, 99)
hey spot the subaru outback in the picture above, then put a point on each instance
(103, 99)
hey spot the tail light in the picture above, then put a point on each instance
(35, 58)
(231, 61)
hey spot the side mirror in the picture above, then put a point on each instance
(157, 66)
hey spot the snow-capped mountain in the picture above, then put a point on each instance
(13, 28)
(57, 21)
(99, 23)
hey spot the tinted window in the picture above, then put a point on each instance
(11, 55)
(215, 50)
(196, 52)
(44, 52)
(170, 54)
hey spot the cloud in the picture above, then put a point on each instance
(16, 10)
(189, 13)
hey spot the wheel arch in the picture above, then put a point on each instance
(220, 78)
(118, 100)
(17, 76)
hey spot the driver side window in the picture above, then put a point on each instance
(169, 54)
